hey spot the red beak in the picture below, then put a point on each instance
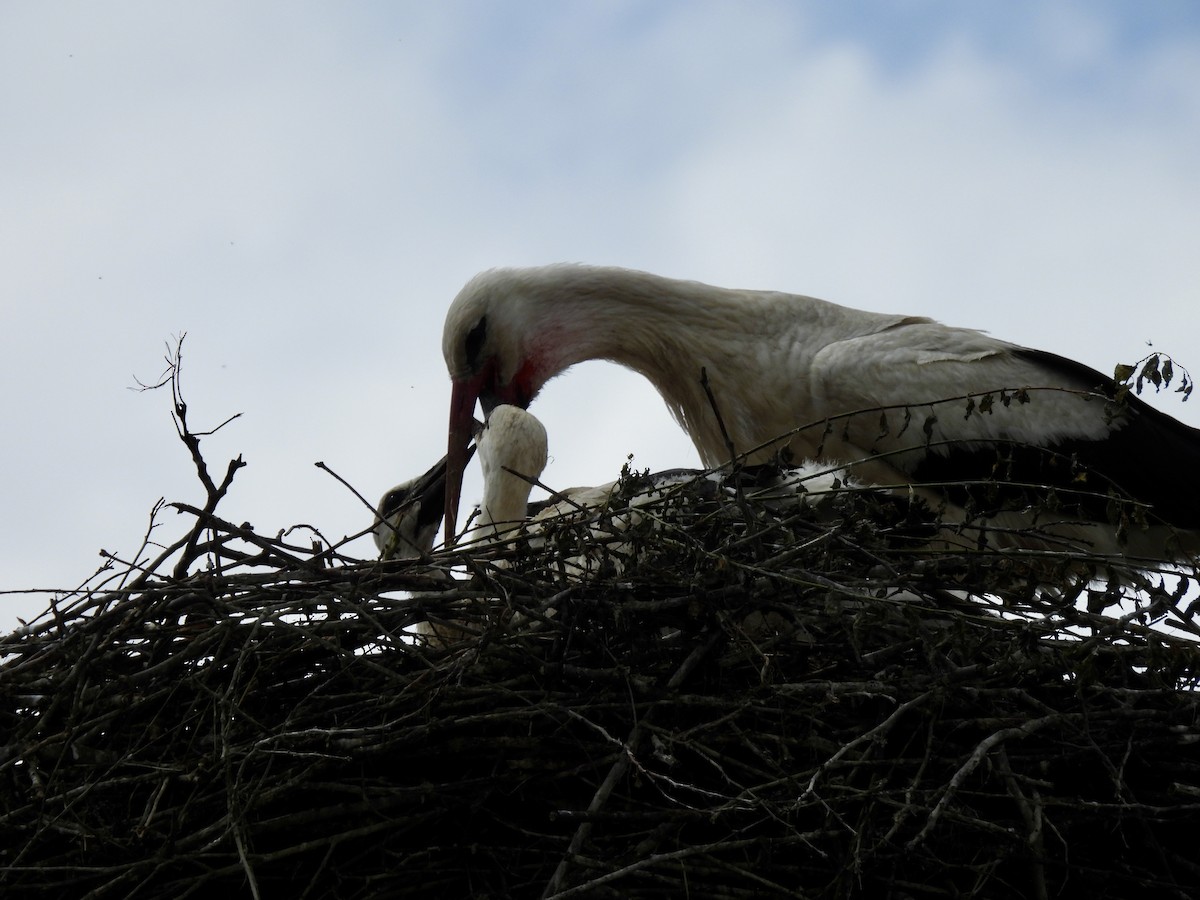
(462, 419)
(463, 396)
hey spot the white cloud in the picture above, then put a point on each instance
(958, 191)
(303, 188)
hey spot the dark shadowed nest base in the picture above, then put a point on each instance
(737, 703)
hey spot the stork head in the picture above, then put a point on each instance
(408, 515)
(512, 449)
(499, 349)
(509, 331)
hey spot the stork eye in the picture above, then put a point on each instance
(474, 346)
(393, 500)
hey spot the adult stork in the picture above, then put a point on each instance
(755, 373)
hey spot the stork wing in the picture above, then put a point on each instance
(937, 378)
(952, 398)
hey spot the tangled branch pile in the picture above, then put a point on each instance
(749, 704)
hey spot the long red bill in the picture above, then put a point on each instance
(462, 417)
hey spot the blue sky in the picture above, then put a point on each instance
(303, 187)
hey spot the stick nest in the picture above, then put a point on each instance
(733, 701)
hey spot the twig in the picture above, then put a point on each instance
(712, 402)
(619, 767)
(977, 756)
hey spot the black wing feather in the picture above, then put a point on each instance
(1147, 455)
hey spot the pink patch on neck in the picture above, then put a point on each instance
(551, 351)
(523, 386)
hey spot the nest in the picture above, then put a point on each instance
(709, 698)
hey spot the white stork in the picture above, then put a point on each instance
(757, 373)
(408, 515)
(512, 450)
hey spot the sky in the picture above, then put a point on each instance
(303, 187)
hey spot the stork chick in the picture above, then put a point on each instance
(512, 450)
(408, 515)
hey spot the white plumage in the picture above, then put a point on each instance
(763, 372)
(512, 449)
